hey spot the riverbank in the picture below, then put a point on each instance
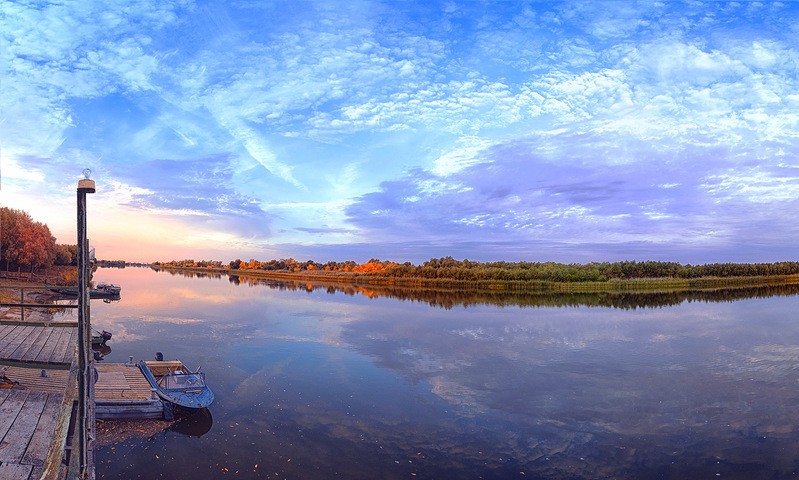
(665, 284)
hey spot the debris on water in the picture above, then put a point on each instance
(110, 432)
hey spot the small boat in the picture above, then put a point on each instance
(93, 293)
(109, 288)
(99, 338)
(175, 383)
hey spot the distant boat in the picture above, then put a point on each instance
(109, 288)
(175, 383)
(109, 291)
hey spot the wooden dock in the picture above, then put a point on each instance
(39, 414)
(35, 414)
(122, 391)
(37, 342)
(29, 421)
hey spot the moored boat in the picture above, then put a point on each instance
(99, 338)
(175, 383)
(93, 293)
(109, 288)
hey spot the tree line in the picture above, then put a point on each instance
(28, 245)
(451, 298)
(468, 270)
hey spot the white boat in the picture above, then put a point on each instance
(109, 288)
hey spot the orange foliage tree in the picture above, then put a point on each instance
(24, 242)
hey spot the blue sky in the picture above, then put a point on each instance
(405, 130)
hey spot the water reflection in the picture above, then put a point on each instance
(192, 424)
(100, 351)
(314, 381)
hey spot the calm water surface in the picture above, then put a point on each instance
(317, 383)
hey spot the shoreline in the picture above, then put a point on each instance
(660, 284)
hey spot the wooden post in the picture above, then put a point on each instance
(85, 419)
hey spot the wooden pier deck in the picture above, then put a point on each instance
(38, 440)
(35, 415)
(29, 421)
(35, 342)
(122, 391)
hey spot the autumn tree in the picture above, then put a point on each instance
(66, 255)
(24, 242)
(9, 234)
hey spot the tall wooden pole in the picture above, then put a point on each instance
(85, 376)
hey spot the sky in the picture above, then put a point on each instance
(404, 130)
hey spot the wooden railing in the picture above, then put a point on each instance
(26, 276)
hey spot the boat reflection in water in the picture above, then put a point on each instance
(195, 424)
(100, 351)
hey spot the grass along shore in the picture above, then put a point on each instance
(532, 286)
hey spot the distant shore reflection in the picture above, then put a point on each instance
(448, 299)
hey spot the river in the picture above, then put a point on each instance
(316, 382)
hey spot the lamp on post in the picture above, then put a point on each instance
(85, 422)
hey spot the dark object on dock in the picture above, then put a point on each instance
(173, 382)
(6, 382)
(99, 338)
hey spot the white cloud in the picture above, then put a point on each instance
(465, 154)
(754, 185)
(258, 150)
(60, 52)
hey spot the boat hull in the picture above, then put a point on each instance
(186, 390)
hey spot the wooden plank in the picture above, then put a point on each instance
(129, 410)
(13, 340)
(9, 411)
(113, 379)
(38, 344)
(30, 378)
(11, 471)
(42, 437)
(48, 348)
(4, 331)
(53, 468)
(63, 352)
(19, 335)
(21, 431)
(57, 354)
(119, 381)
(26, 343)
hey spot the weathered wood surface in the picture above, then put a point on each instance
(31, 379)
(16, 472)
(34, 416)
(27, 424)
(37, 343)
(120, 381)
(14, 340)
(66, 346)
